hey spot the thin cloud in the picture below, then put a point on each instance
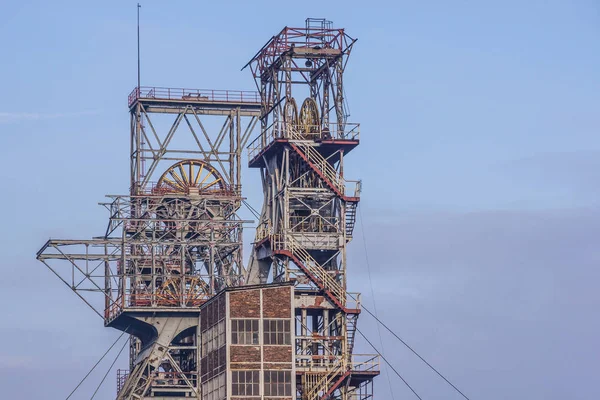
(8, 117)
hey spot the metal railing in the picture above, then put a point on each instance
(322, 363)
(317, 383)
(314, 363)
(349, 300)
(148, 300)
(174, 379)
(365, 363)
(263, 231)
(342, 185)
(114, 309)
(313, 224)
(191, 291)
(316, 241)
(159, 189)
(353, 300)
(283, 130)
(311, 265)
(200, 95)
(122, 375)
(353, 187)
(320, 162)
(306, 146)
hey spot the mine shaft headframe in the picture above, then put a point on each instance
(318, 43)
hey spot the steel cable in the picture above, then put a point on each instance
(362, 228)
(109, 369)
(95, 365)
(389, 365)
(252, 209)
(415, 353)
(374, 315)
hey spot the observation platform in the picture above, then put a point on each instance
(161, 98)
(329, 139)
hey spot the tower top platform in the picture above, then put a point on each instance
(247, 100)
(315, 41)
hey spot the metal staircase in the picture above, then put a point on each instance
(351, 320)
(332, 179)
(314, 383)
(351, 207)
(316, 273)
(319, 164)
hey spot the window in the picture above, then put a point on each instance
(244, 331)
(278, 383)
(276, 331)
(214, 389)
(213, 338)
(245, 383)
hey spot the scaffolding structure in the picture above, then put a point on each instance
(169, 268)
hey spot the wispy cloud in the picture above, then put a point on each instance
(8, 117)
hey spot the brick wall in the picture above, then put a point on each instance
(244, 304)
(277, 302)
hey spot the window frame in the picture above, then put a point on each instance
(277, 383)
(251, 380)
(245, 332)
(277, 332)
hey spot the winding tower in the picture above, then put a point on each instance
(309, 208)
(174, 241)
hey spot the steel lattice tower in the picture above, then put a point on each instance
(309, 208)
(174, 241)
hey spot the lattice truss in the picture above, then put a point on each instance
(176, 239)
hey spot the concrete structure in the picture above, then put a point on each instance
(169, 266)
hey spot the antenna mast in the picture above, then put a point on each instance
(138, 45)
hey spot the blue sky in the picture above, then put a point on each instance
(479, 157)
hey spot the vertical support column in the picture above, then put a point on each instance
(303, 330)
(123, 271)
(315, 330)
(153, 288)
(264, 109)
(107, 284)
(210, 267)
(137, 151)
(342, 350)
(339, 97)
(238, 152)
(326, 331)
(287, 65)
(325, 108)
(341, 165)
(275, 86)
(232, 170)
(285, 171)
(132, 132)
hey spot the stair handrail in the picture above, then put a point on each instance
(316, 158)
(316, 269)
(326, 380)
